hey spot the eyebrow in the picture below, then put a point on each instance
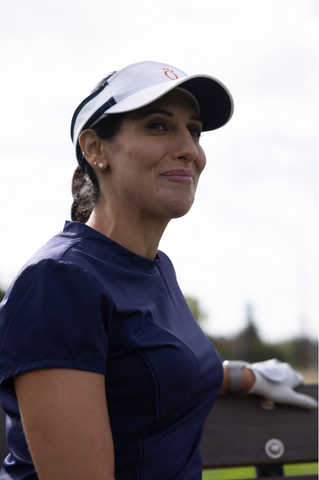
(169, 114)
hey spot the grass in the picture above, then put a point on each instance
(229, 473)
(250, 472)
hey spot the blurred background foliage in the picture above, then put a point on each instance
(301, 352)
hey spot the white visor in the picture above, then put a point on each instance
(142, 83)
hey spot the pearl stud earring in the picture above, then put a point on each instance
(95, 163)
(101, 165)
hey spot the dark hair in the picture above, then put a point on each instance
(85, 186)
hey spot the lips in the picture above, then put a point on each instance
(179, 176)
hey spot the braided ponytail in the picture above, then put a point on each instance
(85, 190)
(85, 185)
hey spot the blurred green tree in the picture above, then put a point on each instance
(195, 308)
(2, 294)
(301, 353)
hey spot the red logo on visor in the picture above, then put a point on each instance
(170, 74)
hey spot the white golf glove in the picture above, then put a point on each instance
(276, 381)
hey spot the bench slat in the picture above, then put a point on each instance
(238, 428)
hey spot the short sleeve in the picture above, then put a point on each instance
(55, 315)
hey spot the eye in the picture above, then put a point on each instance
(195, 131)
(157, 125)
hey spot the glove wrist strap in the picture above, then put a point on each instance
(235, 369)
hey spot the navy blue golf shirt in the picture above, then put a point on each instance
(85, 302)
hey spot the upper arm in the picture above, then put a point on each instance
(65, 419)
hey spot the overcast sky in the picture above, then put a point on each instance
(251, 237)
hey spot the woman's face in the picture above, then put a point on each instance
(155, 160)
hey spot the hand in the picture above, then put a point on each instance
(276, 381)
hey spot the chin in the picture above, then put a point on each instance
(179, 209)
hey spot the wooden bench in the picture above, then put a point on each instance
(242, 430)
(239, 431)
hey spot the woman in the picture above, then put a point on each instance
(100, 355)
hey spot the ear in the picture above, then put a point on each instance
(93, 149)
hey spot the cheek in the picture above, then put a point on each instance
(201, 160)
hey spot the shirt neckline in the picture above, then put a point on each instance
(109, 246)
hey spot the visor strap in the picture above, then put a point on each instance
(99, 114)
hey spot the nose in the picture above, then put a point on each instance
(185, 148)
